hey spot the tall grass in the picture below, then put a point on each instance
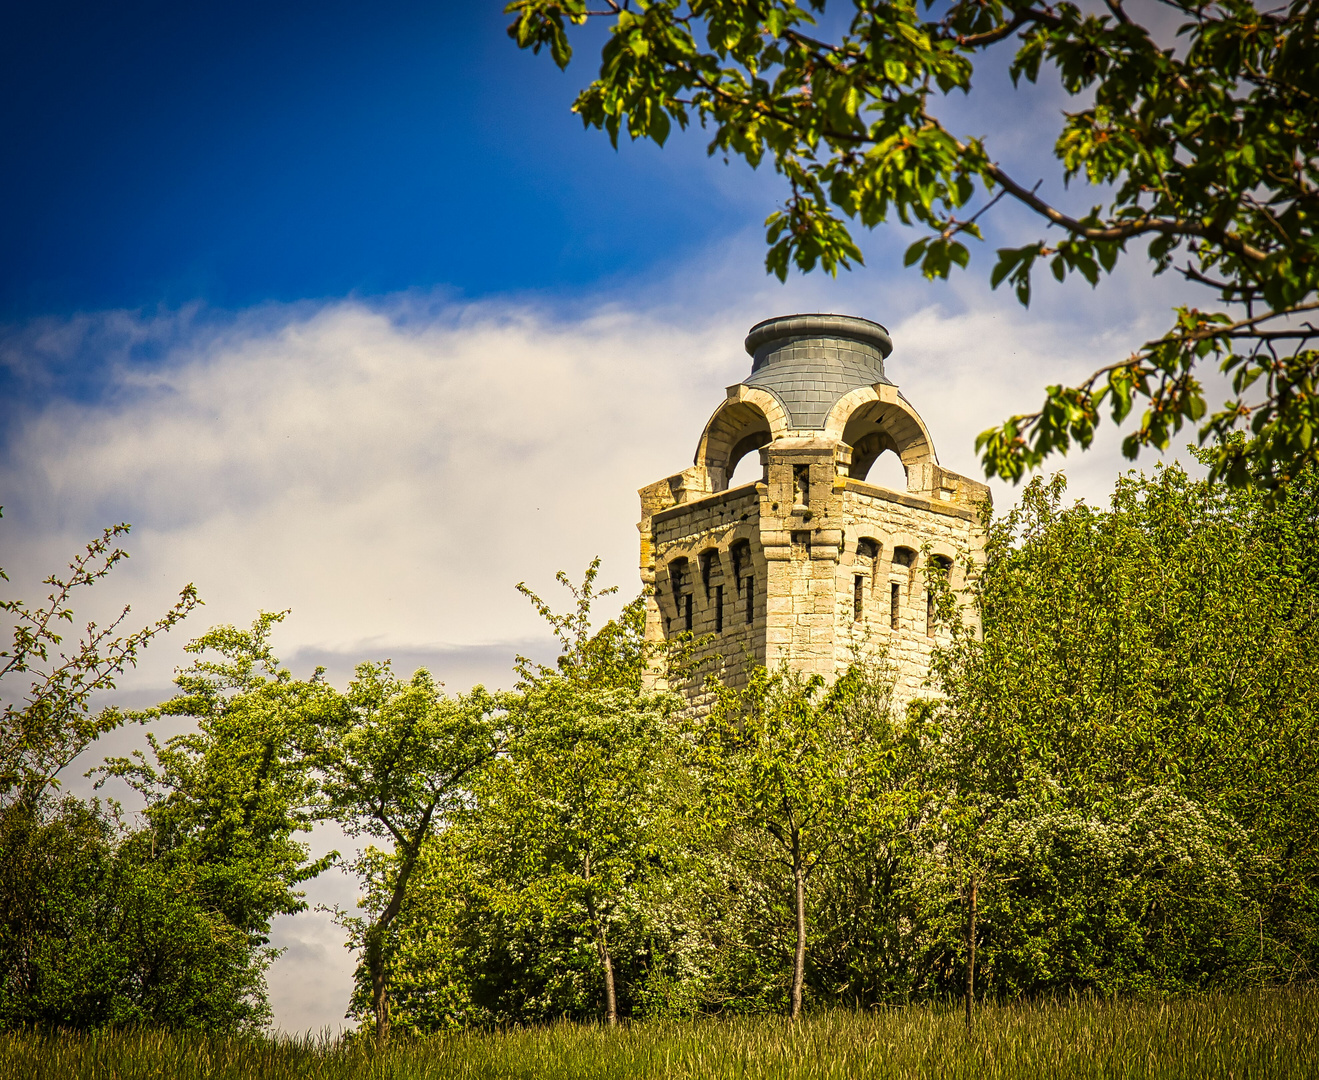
(1267, 1035)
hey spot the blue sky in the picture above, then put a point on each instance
(342, 308)
(161, 153)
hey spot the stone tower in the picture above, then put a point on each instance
(809, 562)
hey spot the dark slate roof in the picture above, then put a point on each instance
(810, 361)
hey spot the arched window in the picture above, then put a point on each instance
(863, 575)
(678, 574)
(681, 584)
(745, 578)
(904, 558)
(711, 569)
(942, 566)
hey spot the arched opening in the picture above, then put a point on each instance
(681, 583)
(712, 581)
(887, 439)
(875, 460)
(744, 464)
(744, 578)
(888, 472)
(736, 431)
(863, 575)
(940, 567)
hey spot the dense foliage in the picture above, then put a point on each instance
(1122, 770)
(1112, 787)
(1134, 741)
(1198, 119)
(96, 931)
(166, 921)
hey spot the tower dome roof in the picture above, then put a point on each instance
(809, 362)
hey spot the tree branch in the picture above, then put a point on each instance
(1216, 330)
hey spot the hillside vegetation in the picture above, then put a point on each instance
(1111, 792)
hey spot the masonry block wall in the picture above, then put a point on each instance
(810, 565)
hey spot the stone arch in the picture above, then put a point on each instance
(868, 450)
(748, 420)
(880, 411)
(943, 555)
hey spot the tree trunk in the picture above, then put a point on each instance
(375, 965)
(602, 949)
(611, 997)
(971, 951)
(799, 960)
(375, 936)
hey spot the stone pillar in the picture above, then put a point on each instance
(801, 533)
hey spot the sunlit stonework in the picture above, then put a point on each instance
(811, 562)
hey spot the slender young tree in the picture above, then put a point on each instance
(785, 759)
(396, 760)
(53, 722)
(576, 811)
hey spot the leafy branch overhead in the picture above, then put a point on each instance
(1206, 143)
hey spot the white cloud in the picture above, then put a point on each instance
(390, 469)
(389, 479)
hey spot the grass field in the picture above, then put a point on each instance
(1268, 1035)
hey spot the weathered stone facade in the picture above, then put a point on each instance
(810, 563)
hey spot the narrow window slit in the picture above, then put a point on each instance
(801, 485)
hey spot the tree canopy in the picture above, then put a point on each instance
(1111, 787)
(1201, 137)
